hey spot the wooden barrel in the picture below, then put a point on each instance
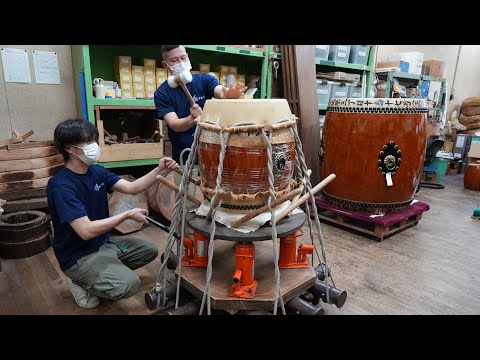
(376, 147)
(23, 234)
(162, 199)
(245, 174)
(471, 179)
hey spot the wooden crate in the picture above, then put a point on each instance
(133, 151)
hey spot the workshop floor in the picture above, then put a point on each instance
(430, 268)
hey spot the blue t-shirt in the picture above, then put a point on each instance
(174, 100)
(72, 196)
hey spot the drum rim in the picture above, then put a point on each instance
(376, 105)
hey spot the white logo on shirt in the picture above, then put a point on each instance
(97, 187)
(196, 98)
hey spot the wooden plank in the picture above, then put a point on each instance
(308, 105)
(25, 204)
(120, 152)
(26, 184)
(293, 282)
(53, 302)
(30, 144)
(13, 270)
(24, 194)
(23, 154)
(29, 174)
(19, 165)
(119, 203)
(16, 139)
(7, 301)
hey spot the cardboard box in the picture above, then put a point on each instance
(127, 94)
(138, 87)
(216, 74)
(150, 88)
(204, 68)
(233, 70)
(161, 72)
(474, 148)
(122, 62)
(149, 95)
(399, 65)
(414, 59)
(137, 69)
(150, 63)
(195, 72)
(123, 77)
(149, 71)
(138, 78)
(125, 86)
(222, 69)
(241, 78)
(160, 81)
(139, 94)
(150, 79)
(434, 68)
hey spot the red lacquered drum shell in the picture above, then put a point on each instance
(363, 141)
(471, 179)
(245, 173)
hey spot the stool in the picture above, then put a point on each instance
(429, 173)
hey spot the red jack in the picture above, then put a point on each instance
(289, 258)
(196, 252)
(244, 285)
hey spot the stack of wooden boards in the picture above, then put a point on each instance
(25, 168)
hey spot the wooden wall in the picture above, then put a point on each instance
(39, 107)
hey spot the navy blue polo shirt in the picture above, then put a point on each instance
(174, 100)
(72, 196)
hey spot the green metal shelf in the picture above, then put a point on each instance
(122, 102)
(276, 55)
(228, 49)
(88, 61)
(126, 163)
(343, 65)
(404, 75)
(322, 106)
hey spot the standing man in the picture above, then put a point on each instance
(96, 265)
(173, 105)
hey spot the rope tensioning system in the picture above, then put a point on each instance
(180, 211)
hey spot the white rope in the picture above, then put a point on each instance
(206, 292)
(308, 187)
(278, 290)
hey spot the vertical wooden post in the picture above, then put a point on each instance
(309, 125)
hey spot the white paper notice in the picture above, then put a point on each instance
(16, 67)
(388, 177)
(46, 67)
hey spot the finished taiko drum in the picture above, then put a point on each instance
(376, 148)
(471, 179)
(245, 173)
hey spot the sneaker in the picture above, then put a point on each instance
(82, 297)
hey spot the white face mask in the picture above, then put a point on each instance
(181, 66)
(92, 153)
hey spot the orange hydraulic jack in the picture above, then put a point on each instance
(288, 258)
(196, 252)
(244, 285)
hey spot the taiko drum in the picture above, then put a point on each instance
(376, 148)
(245, 173)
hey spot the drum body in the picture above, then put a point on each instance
(376, 148)
(245, 174)
(471, 179)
